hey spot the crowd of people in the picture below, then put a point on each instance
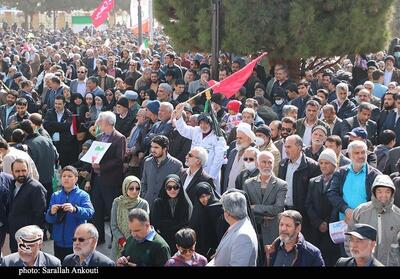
(259, 188)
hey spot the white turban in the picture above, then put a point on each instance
(246, 129)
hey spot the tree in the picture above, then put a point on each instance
(288, 29)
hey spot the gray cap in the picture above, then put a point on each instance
(131, 95)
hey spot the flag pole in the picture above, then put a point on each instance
(201, 93)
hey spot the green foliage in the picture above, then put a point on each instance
(287, 28)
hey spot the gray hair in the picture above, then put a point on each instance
(108, 116)
(168, 105)
(90, 228)
(298, 140)
(342, 86)
(356, 144)
(292, 214)
(250, 111)
(265, 153)
(139, 214)
(147, 70)
(29, 232)
(166, 87)
(288, 109)
(253, 149)
(203, 155)
(235, 204)
(364, 106)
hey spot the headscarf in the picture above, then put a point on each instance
(125, 203)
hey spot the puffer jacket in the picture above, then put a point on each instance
(64, 231)
(385, 218)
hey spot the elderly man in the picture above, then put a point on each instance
(204, 136)
(107, 175)
(267, 195)
(239, 246)
(330, 118)
(84, 245)
(291, 248)
(304, 126)
(351, 185)
(362, 244)
(195, 161)
(164, 92)
(318, 138)
(156, 167)
(245, 137)
(381, 213)
(30, 239)
(125, 119)
(297, 170)
(144, 247)
(265, 133)
(319, 209)
(343, 106)
(250, 168)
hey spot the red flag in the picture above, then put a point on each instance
(234, 82)
(74, 126)
(101, 13)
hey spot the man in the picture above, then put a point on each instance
(132, 97)
(335, 143)
(56, 89)
(180, 94)
(9, 154)
(203, 135)
(144, 80)
(389, 103)
(144, 247)
(27, 201)
(84, 245)
(170, 65)
(92, 86)
(362, 243)
(125, 120)
(343, 106)
(113, 71)
(361, 135)
(14, 120)
(297, 170)
(304, 126)
(179, 146)
(250, 168)
(106, 176)
(365, 96)
(78, 85)
(300, 102)
(281, 81)
(164, 92)
(37, 124)
(267, 195)
(245, 137)
(8, 108)
(30, 239)
(388, 141)
(200, 83)
(379, 88)
(276, 128)
(5, 185)
(392, 120)
(58, 123)
(265, 134)
(362, 119)
(381, 213)
(106, 81)
(239, 246)
(156, 167)
(351, 185)
(318, 138)
(330, 118)
(391, 73)
(26, 93)
(291, 248)
(154, 81)
(320, 210)
(253, 104)
(288, 128)
(196, 159)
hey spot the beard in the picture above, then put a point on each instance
(285, 238)
(82, 251)
(267, 172)
(239, 147)
(21, 179)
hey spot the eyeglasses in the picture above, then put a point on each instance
(169, 188)
(185, 251)
(192, 156)
(249, 159)
(80, 239)
(134, 188)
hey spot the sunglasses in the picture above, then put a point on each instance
(185, 251)
(169, 188)
(134, 188)
(80, 239)
(249, 159)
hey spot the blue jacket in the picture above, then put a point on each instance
(63, 232)
(5, 183)
(306, 254)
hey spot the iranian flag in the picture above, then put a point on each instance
(101, 13)
(144, 45)
(74, 126)
(234, 82)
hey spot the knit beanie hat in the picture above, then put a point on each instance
(123, 101)
(329, 155)
(153, 106)
(234, 105)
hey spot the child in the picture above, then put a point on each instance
(186, 256)
(233, 118)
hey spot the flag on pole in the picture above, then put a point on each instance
(74, 126)
(144, 45)
(234, 82)
(101, 13)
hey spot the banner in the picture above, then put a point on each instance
(101, 13)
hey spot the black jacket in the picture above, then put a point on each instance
(352, 262)
(200, 176)
(98, 259)
(5, 185)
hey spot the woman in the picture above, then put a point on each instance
(207, 220)
(69, 207)
(110, 101)
(123, 64)
(150, 94)
(121, 206)
(171, 210)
